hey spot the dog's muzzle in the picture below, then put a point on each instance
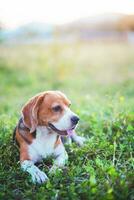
(62, 133)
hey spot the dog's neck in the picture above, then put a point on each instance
(43, 130)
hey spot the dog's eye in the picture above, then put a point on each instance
(57, 108)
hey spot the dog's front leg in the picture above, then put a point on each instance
(61, 158)
(78, 139)
(75, 138)
(37, 175)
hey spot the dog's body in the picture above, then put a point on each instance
(46, 118)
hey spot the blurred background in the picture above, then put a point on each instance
(84, 48)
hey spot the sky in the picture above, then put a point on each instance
(14, 13)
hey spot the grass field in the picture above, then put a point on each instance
(99, 79)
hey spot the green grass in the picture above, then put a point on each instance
(99, 79)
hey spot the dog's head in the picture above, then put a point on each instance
(51, 109)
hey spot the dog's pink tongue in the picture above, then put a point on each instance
(70, 132)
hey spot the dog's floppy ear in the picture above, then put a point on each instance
(30, 112)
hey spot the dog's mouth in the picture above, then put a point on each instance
(68, 132)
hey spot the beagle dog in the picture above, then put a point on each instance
(45, 119)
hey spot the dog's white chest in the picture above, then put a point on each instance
(43, 145)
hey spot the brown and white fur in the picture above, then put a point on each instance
(45, 120)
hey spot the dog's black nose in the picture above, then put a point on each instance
(75, 119)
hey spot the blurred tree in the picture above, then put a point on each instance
(126, 23)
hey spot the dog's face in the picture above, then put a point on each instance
(51, 109)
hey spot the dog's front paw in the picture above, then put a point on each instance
(53, 169)
(80, 140)
(38, 176)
